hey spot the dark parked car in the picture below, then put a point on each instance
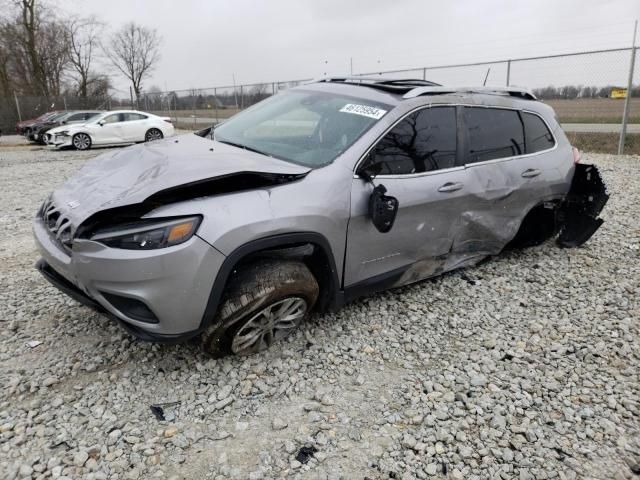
(38, 130)
(24, 125)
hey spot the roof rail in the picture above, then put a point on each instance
(520, 92)
(381, 81)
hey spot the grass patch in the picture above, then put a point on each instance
(604, 142)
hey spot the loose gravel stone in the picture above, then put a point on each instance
(278, 424)
(529, 371)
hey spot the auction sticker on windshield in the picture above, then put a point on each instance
(363, 110)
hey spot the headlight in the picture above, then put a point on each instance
(64, 133)
(149, 236)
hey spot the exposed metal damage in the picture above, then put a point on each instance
(577, 217)
(483, 233)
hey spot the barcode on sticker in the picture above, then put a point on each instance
(364, 110)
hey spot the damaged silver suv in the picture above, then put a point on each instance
(309, 199)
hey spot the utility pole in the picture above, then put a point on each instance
(215, 103)
(351, 65)
(625, 114)
(235, 95)
(15, 96)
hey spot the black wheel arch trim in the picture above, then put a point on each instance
(333, 295)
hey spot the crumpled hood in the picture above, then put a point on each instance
(131, 175)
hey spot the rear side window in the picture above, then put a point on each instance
(134, 116)
(75, 117)
(115, 118)
(537, 135)
(493, 133)
(424, 141)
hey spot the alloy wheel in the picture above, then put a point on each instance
(269, 325)
(153, 134)
(81, 141)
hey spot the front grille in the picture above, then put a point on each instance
(58, 224)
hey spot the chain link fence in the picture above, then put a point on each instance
(202, 107)
(586, 89)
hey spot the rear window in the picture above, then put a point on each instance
(75, 117)
(537, 135)
(134, 116)
(493, 133)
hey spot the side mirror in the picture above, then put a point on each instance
(382, 209)
(101, 123)
(64, 122)
(369, 171)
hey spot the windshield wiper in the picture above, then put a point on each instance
(239, 145)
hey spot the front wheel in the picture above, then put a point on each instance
(263, 304)
(153, 134)
(81, 141)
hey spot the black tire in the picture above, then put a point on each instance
(260, 286)
(81, 141)
(153, 134)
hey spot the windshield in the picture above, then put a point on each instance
(304, 127)
(57, 116)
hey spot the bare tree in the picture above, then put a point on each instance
(53, 47)
(134, 50)
(5, 62)
(30, 22)
(37, 45)
(99, 86)
(84, 40)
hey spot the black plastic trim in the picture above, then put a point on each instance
(333, 293)
(375, 284)
(131, 307)
(65, 286)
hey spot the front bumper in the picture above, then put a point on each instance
(57, 141)
(173, 283)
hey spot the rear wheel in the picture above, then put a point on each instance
(153, 134)
(263, 304)
(81, 141)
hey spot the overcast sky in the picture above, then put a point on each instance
(205, 43)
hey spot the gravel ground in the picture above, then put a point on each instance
(525, 367)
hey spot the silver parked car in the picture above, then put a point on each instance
(309, 199)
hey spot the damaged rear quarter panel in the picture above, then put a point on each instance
(435, 232)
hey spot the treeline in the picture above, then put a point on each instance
(47, 53)
(570, 92)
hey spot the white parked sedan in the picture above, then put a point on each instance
(112, 128)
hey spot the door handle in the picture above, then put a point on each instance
(531, 172)
(450, 187)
